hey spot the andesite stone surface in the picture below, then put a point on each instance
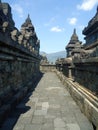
(60, 111)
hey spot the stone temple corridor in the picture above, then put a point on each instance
(65, 97)
(48, 107)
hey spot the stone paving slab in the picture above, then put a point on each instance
(49, 107)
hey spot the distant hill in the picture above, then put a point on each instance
(52, 57)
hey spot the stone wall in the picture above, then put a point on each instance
(17, 68)
(19, 53)
(87, 102)
(48, 67)
(86, 74)
(19, 60)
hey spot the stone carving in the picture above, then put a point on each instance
(20, 39)
(5, 26)
(31, 40)
(26, 37)
(14, 34)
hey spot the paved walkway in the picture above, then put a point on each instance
(49, 107)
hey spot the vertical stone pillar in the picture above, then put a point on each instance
(70, 72)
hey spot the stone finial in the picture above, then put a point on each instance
(74, 31)
(28, 20)
(74, 36)
(28, 16)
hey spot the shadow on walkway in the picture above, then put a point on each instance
(21, 108)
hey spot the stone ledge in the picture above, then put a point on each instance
(87, 105)
(14, 51)
(91, 60)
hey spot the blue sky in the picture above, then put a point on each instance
(54, 20)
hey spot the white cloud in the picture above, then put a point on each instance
(72, 21)
(56, 29)
(87, 5)
(18, 9)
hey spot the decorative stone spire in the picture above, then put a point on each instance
(28, 31)
(74, 36)
(28, 23)
(73, 43)
(28, 20)
(28, 16)
(74, 31)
